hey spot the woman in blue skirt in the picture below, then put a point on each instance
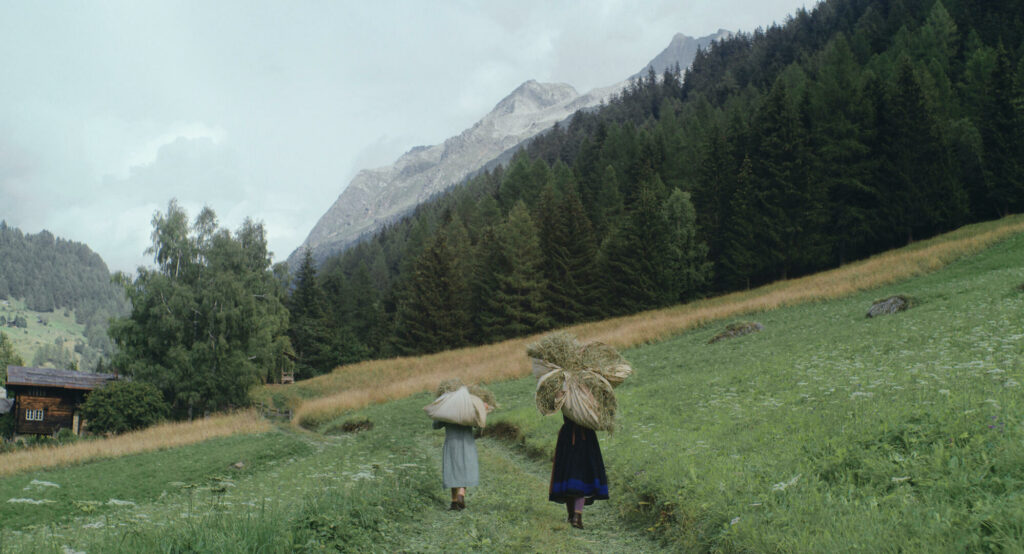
(577, 477)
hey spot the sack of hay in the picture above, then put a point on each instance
(578, 379)
(459, 407)
(479, 391)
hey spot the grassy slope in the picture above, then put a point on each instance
(826, 431)
(351, 387)
(27, 340)
(829, 431)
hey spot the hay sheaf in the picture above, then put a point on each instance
(550, 393)
(479, 391)
(561, 350)
(738, 329)
(578, 379)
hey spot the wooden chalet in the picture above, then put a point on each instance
(46, 400)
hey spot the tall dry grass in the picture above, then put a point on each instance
(158, 437)
(351, 387)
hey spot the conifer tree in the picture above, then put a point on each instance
(688, 268)
(569, 248)
(518, 299)
(1002, 134)
(742, 260)
(632, 259)
(432, 311)
(308, 320)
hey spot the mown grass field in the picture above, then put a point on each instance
(826, 431)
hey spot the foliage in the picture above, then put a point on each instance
(832, 430)
(208, 321)
(7, 357)
(7, 423)
(50, 273)
(124, 406)
(847, 130)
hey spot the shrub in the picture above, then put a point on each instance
(124, 406)
(6, 426)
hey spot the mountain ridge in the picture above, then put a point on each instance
(378, 196)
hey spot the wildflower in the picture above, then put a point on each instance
(38, 483)
(781, 486)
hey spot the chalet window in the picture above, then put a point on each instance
(33, 415)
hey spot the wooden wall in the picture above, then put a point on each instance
(58, 408)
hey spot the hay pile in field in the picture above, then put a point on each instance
(739, 329)
(891, 305)
(577, 379)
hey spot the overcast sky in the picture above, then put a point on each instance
(267, 109)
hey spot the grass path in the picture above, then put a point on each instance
(509, 511)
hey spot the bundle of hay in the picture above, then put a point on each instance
(891, 305)
(737, 329)
(456, 403)
(561, 350)
(577, 379)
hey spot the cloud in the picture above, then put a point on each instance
(115, 218)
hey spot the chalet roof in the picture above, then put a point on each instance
(59, 378)
(5, 405)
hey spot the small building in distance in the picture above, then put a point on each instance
(46, 400)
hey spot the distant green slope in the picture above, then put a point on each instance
(53, 331)
(47, 278)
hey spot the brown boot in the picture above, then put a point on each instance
(577, 520)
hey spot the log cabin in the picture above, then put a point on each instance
(47, 400)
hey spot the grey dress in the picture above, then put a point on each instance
(459, 464)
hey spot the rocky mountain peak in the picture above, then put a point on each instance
(532, 96)
(377, 196)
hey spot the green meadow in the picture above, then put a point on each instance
(60, 327)
(826, 431)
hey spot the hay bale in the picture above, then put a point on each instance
(891, 305)
(737, 329)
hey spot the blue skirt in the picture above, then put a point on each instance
(578, 470)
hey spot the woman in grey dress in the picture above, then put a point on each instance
(459, 465)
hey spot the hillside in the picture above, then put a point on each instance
(64, 292)
(827, 431)
(851, 129)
